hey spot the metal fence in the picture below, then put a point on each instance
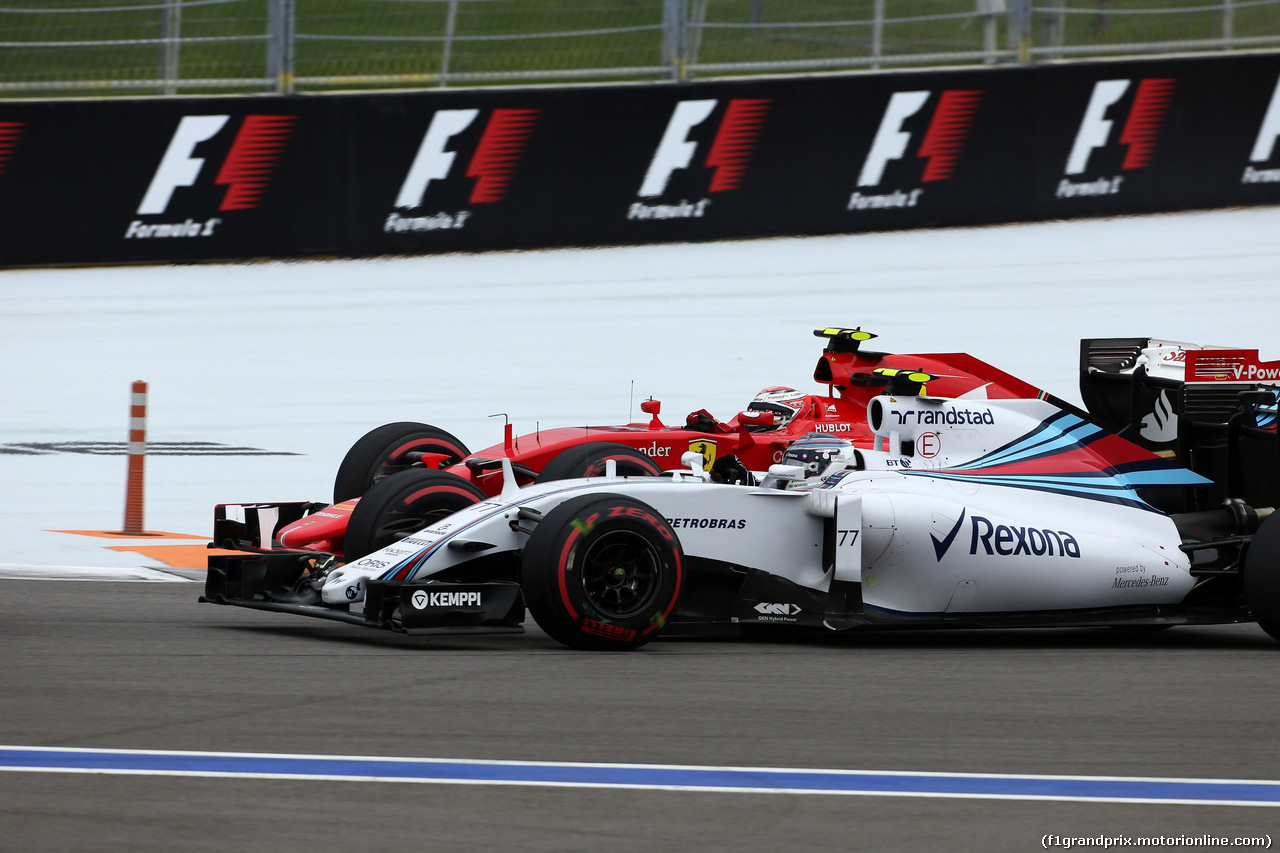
(76, 47)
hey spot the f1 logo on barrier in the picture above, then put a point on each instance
(246, 170)
(492, 164)
(728, 155)
(1264, 146)
(1141, 128)
(10, 133)
(940, 145)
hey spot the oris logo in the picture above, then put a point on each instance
(940, 144)
(727, 155)
(492, 165)
(246, 171)
(1139, 131)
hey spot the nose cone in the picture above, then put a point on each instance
(342, 588)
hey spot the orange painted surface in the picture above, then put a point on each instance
(116, 534)
(175, 556)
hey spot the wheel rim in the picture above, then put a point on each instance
(399, 525)
(621, 574)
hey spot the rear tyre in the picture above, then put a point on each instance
(588, 460)
(402, 504)
(1262, 576)
(602, 572)
(385, 450)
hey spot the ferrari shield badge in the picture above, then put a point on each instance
(708, 451)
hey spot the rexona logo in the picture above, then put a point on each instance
(939, 146)
(727, 155)
(10, 133)
(1138, 132)
(1003, 540)
(245, 171)
(492, 165)
(1265, 145)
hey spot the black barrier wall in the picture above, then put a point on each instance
(366, 174)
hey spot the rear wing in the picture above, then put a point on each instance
(1211, 408)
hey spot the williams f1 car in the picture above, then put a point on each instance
(958, 512)
(751, 441)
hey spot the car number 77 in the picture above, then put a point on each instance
(847, 537)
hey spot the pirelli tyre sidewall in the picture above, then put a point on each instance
(602, 572)
(1262, 576)
(590, 459)
(402, 504)
(384, 451)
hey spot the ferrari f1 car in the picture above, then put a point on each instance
(959, 512)
(749, 442)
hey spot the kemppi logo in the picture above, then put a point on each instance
(727, 155)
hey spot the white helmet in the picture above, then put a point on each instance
(785, 403)
(820, 455)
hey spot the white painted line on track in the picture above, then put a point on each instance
(743, 780)
(9, 571)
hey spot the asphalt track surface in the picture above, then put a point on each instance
(144, 666)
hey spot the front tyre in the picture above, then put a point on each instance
(401, 505)
(1262, 576)
(589, 460)
(389, 449)
(602, 572)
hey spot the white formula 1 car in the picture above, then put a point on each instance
(965, 512)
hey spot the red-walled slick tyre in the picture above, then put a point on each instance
(602, 572)
(588, 460)
(389, 449)
(402, 504)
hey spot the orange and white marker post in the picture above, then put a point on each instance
(137, 456)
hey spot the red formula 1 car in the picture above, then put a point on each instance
(375, 503)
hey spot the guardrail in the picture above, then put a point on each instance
(77, 47)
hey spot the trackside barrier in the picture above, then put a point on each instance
(176, 179)
(134, 497)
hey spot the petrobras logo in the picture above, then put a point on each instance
(492, 166)
(726, 155)
(1139, 132)
(1264, 146)
(245, 171)
(10, 133)
(939, 145)
(1007, 540)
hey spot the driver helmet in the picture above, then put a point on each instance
(820, 455)
(785, 403)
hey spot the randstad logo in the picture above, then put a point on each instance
(1139, 133)
(727, 155)
(939, 145)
